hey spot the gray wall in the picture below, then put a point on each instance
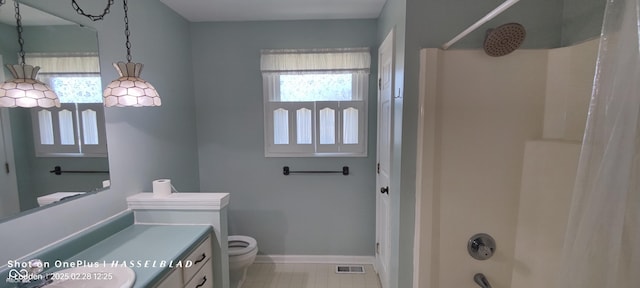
(8, 47)
(298, 214)
(582, 20)
(144, 143)
(59, 38)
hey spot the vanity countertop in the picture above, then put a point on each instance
(143, 248)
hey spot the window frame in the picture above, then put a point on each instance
(292, 149)
(79, 148)
(72, 65)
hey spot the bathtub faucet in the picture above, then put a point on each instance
(481, 280)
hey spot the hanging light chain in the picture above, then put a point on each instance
(19, 29)
(92, 17)
(127, 33)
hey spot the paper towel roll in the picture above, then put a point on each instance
(162, 187)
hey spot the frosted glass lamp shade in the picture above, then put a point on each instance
(130, 89)
(25, 91)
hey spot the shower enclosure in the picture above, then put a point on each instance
(503, 150)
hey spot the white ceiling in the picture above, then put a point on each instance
(255, 10)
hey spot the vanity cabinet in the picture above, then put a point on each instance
(173, 280)
(190, 209)
(198, 275)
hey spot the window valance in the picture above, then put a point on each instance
(319, 60)
(64, 63)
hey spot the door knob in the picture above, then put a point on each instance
(384, 190)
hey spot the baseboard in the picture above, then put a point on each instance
(315, 259)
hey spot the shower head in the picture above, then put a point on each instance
(504, 39)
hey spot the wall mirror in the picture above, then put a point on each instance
(49, 155)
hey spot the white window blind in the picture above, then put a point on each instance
(315, 101)
(77, 128)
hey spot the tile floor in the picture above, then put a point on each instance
(261, 275)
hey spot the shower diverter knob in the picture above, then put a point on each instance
(484, 251)
(481, 246)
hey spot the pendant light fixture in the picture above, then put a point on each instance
(24, 90)
(129, 89)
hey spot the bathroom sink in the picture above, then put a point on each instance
(103, 276)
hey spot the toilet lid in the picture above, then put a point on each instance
(239, 245)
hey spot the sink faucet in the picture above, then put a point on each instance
(35, 279)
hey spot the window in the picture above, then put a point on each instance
(76, 128)
(315, 102)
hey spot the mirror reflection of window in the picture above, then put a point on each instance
(79, 130)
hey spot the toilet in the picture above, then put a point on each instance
(242, 253)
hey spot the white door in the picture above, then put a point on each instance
(383, 191)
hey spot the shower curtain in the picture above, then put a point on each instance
(602, 244)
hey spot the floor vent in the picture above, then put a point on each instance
(349, 269)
